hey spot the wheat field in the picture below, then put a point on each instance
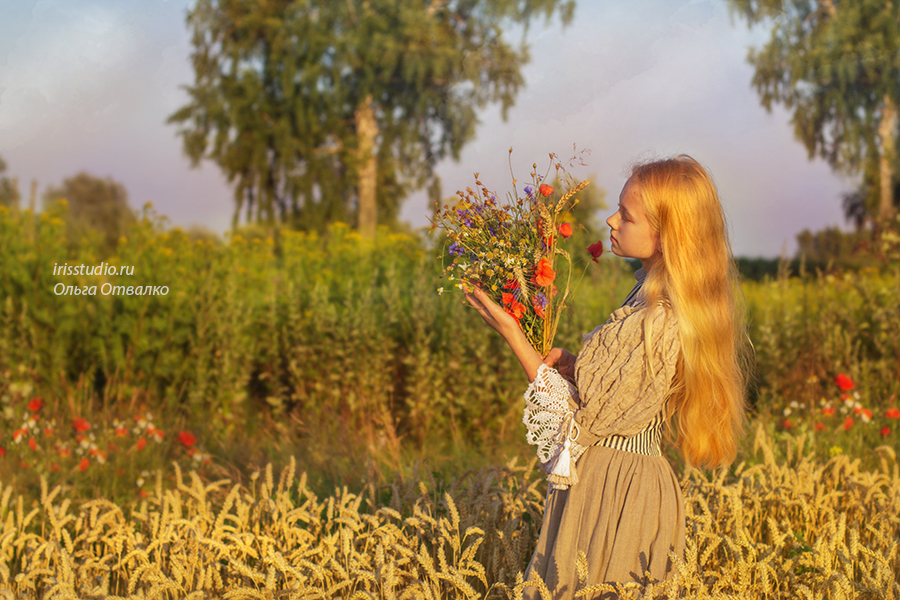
(802, 529)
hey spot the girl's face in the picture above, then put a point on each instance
(631, 234)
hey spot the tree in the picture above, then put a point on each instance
(837, 65)
(94, 205)
(321, 111)
(9, 188)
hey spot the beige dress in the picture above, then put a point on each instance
(612, 495)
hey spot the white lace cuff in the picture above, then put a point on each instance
(550, 425)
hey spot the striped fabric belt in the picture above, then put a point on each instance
(646, 442)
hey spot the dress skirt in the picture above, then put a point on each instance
(626, 513)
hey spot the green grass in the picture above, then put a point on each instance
(341, 352)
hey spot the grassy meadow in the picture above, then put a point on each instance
(306, 416)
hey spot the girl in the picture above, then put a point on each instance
(673, 351)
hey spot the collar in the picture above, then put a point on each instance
(640, 274)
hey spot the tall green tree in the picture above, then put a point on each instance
(836, 64)
(323, 110)
(95, 207)
(9, 188)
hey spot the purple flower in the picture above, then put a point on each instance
(528, 189)
(541, 298)
(456, 249)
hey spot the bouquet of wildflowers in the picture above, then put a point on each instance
(510, 248)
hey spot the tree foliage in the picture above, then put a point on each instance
(294, 99)
(836, 65)
(9, 188)
(95, 207)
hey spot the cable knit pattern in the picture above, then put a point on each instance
(621, 387)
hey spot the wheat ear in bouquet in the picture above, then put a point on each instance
(511, 248)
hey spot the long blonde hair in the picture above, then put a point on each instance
(697, 275)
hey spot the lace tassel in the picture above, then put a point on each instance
(563, 473)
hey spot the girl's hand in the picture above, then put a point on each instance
(493, 314)
(506, 325)
(563, 361)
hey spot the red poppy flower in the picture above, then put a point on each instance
(141, 443)
(545, 189)
(827, 410)
(543, 273)
(787, 424)
(512, 284)
(885, 431)
(516, 309)
(538, 309)
(596, 249)
(32, 444)
(84, 464)
(35, 404)
(565, 230)
(513, 306)
(892, 413)
(80, 424)
(186, 439)
(54, 467)
(2, 451)
(848, 423)
(844, 382)
(819, 426)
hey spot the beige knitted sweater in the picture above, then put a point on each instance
(623, 374)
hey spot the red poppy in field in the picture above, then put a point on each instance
(545, 189)
(186, 439)
(892, 413)
(885, 431)
(596, 249)
(565, 230)
(54, 467)
(2, 451)
(32, 444)
(80, 424)
(844, 382)
(787, 424)
(543, 273)
(141, 443)
(827, 410)
(819, 426)
(84, 464)
(35, 404)
(848, 423)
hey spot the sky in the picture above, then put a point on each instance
(87, 85)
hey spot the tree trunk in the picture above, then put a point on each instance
(887, 132)
(366, 131)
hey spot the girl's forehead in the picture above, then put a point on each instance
(629, 197)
